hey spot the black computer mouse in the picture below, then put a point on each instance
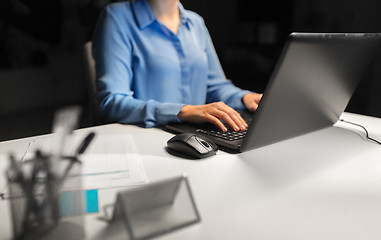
(193, 145)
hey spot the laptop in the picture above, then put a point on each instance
(310, 87)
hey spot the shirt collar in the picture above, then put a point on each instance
(145, 16)
(184, 16)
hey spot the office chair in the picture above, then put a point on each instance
(95, 115)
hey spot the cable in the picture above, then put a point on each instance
(366, 131)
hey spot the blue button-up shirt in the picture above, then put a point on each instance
(146, 73)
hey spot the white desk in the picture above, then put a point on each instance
(323, 185)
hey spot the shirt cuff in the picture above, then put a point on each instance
(162, 113)
(236, 100)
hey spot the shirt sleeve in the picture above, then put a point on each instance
(220, 88)
(112, 52)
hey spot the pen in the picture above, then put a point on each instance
(27, 187)
(85, 143)
(81, 149)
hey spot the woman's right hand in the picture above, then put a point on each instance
(213, 113)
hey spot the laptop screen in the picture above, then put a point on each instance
(311, 85)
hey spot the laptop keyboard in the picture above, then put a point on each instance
(229, 135)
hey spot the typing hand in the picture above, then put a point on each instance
(251, 100)
(213, 113)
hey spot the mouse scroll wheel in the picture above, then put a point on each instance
(207, 145)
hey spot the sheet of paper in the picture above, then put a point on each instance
(110, 161)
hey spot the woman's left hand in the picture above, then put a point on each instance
(251, 100)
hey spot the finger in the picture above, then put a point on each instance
(252, 100)
(237, 118)
(241, 120)
(215, 121)
(234, 116)
(220, 114)
(252, 106)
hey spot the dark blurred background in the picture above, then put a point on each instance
(41, 50)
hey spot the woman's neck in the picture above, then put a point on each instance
(164, 8)
(167, 12)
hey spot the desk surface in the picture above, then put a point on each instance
(322, 185)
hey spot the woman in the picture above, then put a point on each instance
(156, 64)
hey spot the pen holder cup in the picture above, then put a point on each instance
(46, 204)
